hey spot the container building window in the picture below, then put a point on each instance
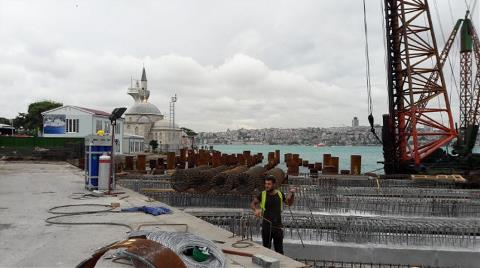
(106, 127)
(72, 125)
(98, 125)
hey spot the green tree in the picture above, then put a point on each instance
(154, 144)
(20, 121)
(189, 132)
(34, 119)
(4, 120)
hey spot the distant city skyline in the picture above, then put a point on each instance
(305, 136)
(232, 64)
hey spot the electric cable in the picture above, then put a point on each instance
(82, 196)
(367, 60)
(368, 76)
(52, 220)
(59, 215)
(242, 244)
(108, 208)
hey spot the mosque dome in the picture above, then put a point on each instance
(144, 120)
(163, 124)
(143, 108)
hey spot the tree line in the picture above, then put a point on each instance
(31, 122)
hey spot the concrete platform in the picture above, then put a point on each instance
(28, 190)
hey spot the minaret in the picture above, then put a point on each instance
(144, 79)
(140, 93)
(144, 92)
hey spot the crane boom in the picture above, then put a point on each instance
(433, 79)
(413, 129)
(474, 113)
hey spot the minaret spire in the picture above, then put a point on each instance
(144, 75)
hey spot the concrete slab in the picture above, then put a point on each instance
(28, 190)
(357, 253)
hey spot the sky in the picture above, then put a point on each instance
(233, 64)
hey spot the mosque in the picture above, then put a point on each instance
(145, 119)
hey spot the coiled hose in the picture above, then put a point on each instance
(180, 242)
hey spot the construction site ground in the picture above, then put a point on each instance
(29, 189)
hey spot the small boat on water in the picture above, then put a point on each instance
(319, 145)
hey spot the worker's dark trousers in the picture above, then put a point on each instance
(276, 235)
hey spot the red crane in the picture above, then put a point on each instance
(416, 125)
(420, 122)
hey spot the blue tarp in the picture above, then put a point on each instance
(155, 211)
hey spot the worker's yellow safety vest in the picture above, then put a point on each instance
(264, 200)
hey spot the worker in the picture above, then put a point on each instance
(271, 202)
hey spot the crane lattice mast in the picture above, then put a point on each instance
(414, 128)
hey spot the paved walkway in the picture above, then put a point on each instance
(28, 190)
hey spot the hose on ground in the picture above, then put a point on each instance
(60, 215)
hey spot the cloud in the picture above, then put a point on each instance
(233, 64)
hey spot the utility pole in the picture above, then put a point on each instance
(172, 111)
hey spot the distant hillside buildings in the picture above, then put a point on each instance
(359, 135)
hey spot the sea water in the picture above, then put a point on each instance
(371, 155)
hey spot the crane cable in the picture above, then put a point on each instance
(367, 73)
(453, 66)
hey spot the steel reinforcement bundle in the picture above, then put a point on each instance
(246, 182)
(224, 181)
(202, 182)
(182, 178)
